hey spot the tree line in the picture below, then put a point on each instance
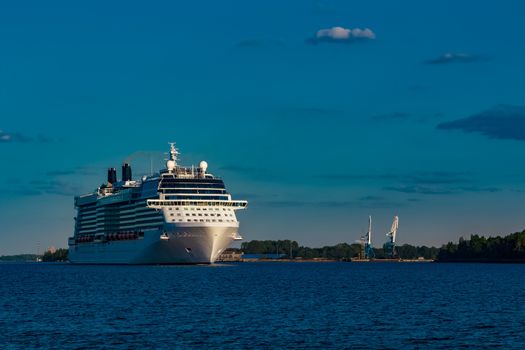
(341, 251)
(58, 255)
(19, 257)
(479, 248)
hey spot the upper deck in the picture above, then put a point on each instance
(172, 183)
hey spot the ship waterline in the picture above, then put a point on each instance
(180, 216)
(189, 245)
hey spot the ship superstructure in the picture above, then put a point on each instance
(180, 215)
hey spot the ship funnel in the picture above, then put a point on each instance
(126, 172)
(112, 175)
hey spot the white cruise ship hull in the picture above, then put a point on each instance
(182, 215)
(189, 243)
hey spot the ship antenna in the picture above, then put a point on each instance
(150, 165)
(174, 152)
(172, 162)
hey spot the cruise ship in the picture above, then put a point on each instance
(182, 215)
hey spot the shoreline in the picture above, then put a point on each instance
(320, 260)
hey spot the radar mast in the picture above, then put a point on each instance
(174, 152)
(171, 164)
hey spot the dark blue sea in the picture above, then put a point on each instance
(263, 306)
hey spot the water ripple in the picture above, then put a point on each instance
(262, 306)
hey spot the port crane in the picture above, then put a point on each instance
(367, 241)
(390, 246)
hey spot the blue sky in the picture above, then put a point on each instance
(425, 119)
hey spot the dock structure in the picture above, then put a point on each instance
(367, 250)
(390, 246)
(367, 253)
(367, 239)
(418, 260)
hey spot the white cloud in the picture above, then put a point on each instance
(334, 33)
(4, 137)
(454, 57)
(340, 34)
